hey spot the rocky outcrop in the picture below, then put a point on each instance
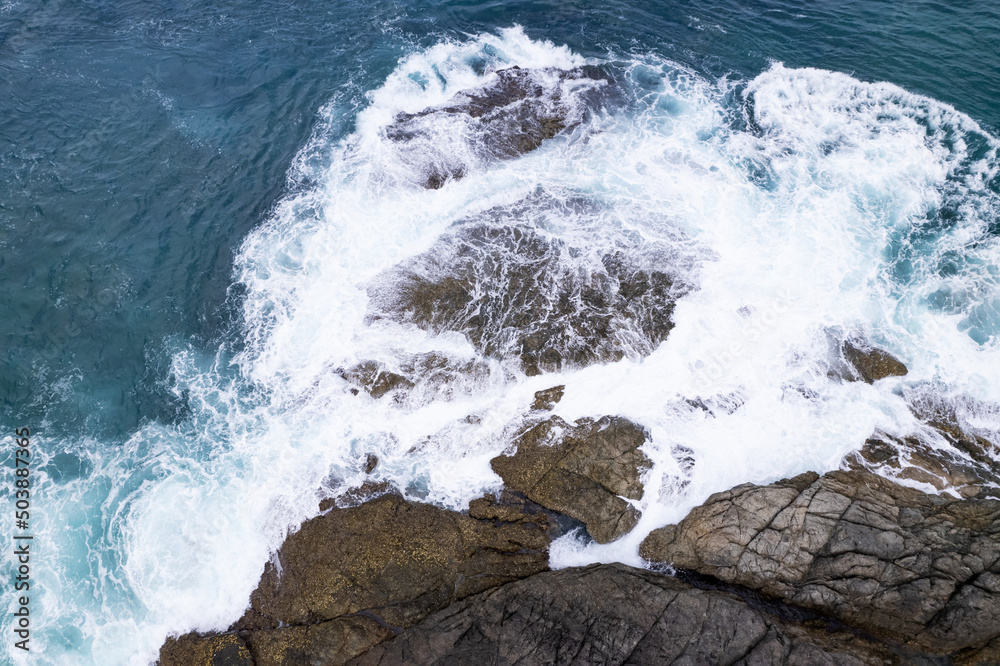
(915, 568)
(375, 379)
(393, 558)
(614, 614)
(517, 293)
(353, 577)
(586, 471)
(512, 114)
(870, 364)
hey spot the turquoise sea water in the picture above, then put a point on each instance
(156, 165)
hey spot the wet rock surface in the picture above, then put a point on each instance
(416, 378)
(614, 614)
(870, 364)
(512, 114)
(547, 399)
(375, 379)
(947, 453)
(582, 470)
(915, 568)
(847, 568)
(915, 459)
(516, 292)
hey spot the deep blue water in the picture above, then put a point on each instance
(141, 144)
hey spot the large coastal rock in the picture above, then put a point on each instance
(353, 577)
(614, 614)
(511, 114)
(587, 471)
(916, 568)
(518, 293)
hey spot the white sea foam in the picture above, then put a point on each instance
(799, 207)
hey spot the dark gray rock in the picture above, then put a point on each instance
(614, 614)
(889, 560)
(582, 470)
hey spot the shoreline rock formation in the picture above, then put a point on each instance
(351, 578)
(847, 568)
(917, 569)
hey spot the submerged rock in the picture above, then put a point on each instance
(583, 470)
(516, 292)
(512, 114)
(417, 377)
(375, 379)
(915, 568)
(614, 614)
(947, 453)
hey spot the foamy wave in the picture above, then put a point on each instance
(801, 207)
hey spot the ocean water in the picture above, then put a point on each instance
(201, 210)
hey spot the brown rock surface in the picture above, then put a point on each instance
(915, 459)
(871, 364)
(396, 558)
(948, 452)
(582, 470)
(547, 399)
(352, 577)
(893, 561)
(375, 379)
(212, 650)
